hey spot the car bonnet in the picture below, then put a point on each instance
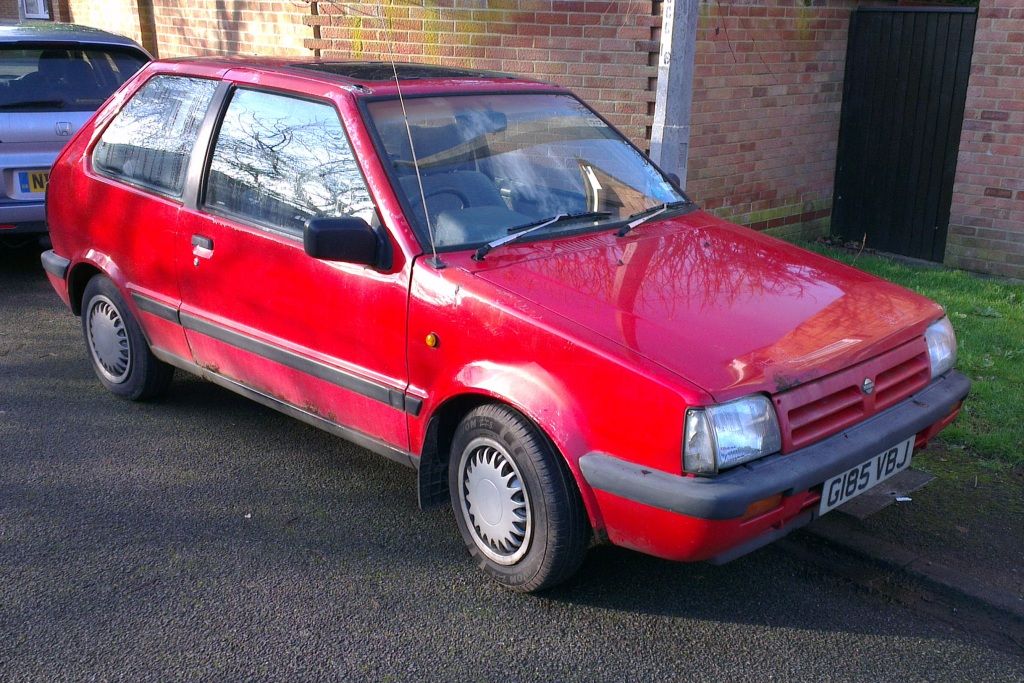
(729, 309)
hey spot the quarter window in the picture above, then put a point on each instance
(150, 141)
(280, 160)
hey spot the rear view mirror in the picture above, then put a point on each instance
(346, 238)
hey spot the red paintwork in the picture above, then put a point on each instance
(687, 539)
(927, 435)
(602, 341)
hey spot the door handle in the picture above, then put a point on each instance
(202, 246)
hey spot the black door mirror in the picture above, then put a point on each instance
(346, 238)
(674, 179)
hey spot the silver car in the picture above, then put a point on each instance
(52, 77)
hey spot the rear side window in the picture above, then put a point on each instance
(49, 79)
(150, 141)
(281, 160)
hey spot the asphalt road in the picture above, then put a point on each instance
(205, 536)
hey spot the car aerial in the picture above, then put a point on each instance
(52, 79)
(476, 275)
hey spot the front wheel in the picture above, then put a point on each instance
(117, 348)
(515, 501)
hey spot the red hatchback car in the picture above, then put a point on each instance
(477, 276)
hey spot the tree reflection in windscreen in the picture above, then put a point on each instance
(280, 160)
(519, 156)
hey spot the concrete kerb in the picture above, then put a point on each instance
(838, 532)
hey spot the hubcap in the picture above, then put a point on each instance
(495, 505)
(108, 340)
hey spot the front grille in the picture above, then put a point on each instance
(829, 405)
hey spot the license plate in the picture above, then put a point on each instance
(33, 182)
(856, 480)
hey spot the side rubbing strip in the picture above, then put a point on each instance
(379, 392)
(413, 404)
(160, 310)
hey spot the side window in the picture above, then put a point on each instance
(280, 160)
(150, 141)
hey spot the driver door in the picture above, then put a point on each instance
(326, 339)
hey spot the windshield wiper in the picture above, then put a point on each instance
(559, 218)
(641, 217)
(58, 104)
(518, 231)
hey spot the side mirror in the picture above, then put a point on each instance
(346, 238)
(674, 179)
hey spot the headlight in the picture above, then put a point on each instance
(726, 435)
(941, 346)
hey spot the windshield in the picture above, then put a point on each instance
(62, 79)
(494, 162)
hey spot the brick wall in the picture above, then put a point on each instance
(198, 27)
(117, 16)
(986, 226)
(766, 103)
(9, 10)
(602, 50)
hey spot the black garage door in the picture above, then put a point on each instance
(903, 106)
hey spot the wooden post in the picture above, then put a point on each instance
(670, 132)
(147, 27)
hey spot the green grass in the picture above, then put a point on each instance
(988, 316)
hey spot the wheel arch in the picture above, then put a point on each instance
(437, 441)
(91, 264)
(78, 278)
(440, 430)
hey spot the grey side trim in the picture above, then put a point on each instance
(395, 398)
(356, 437)
(157, 308)
(727, 495)
(54, 264)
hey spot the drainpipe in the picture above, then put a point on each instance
(670, 130)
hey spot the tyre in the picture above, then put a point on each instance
(117, 348)
(515, 501)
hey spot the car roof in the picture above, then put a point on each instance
(372, 77)
(381, 72)
(52, 32)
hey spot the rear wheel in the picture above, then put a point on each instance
(515, 501)
(117, 348)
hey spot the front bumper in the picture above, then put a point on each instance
(713, 509)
